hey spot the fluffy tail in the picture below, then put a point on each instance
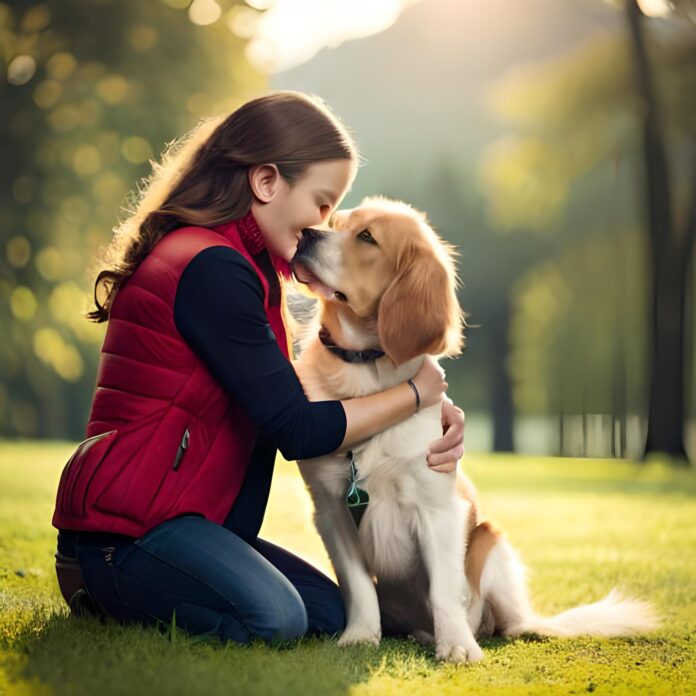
(612, 616)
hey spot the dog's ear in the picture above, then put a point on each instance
(419, 312)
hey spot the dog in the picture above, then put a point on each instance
(421, 560)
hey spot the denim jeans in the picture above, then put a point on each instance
(213, 582)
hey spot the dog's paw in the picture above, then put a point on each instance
(474, 653)
(357, 635)
(458, 654)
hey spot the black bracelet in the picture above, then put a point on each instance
(415, 391)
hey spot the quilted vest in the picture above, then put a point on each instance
(163, 439)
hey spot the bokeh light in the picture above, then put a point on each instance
(18, 251)
(23, 304)
(21, 69)
(204, 12)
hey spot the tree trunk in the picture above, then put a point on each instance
(503, 407)
(668, 266)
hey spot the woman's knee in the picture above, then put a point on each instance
(293, 624)
(226, 587)
(282, 618)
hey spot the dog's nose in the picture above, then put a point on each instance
(309, 237)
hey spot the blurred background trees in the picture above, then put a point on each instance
(520, 129)
(580, 127)
(92, 91)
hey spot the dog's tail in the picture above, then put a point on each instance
(504, 584)
(612, 616)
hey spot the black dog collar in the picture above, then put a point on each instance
(349, 356)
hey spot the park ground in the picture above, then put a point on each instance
(582, 526)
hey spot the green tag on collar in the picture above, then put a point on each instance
(356, 498)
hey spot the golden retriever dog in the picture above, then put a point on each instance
(419, 561)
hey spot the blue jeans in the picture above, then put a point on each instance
(212, 581)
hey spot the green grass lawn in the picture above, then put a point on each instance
(583, 526)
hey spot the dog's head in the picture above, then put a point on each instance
(382, 263)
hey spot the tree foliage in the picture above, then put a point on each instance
(92, 90)
(571, 171)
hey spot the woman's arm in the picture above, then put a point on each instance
(219, 311)
(369, 415)
(366, 419)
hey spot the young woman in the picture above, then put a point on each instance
(159, 510)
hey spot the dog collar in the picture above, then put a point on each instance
(349, 356)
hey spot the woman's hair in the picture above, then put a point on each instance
(202, 179)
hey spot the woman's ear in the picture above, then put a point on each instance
(264, 180)
(419, 313)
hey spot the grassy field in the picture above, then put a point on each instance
(583, 526)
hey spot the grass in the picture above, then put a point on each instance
(583, 526)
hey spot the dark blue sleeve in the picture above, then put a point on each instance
(219, 311)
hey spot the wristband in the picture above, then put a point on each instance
(411, 384)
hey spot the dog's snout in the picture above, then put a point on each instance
(309, 238)
(313, 234)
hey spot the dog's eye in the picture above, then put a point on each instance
(366, 236)
(340, 296)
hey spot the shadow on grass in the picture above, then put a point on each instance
(83, 655)
(69, 655)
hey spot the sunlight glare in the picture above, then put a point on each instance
(293, 31)
(655, 8)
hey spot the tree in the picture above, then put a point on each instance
(672, 248)
(578, 121)
(93, 90)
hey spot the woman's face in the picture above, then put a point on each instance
(282, 210)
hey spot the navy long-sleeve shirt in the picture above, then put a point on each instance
(219, 311)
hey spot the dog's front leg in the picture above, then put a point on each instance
(442, 548)
(340, 537)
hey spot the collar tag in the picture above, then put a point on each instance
(356, 498)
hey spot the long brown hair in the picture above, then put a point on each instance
(202, 179)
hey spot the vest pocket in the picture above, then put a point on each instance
(140, 463)
(80, 469)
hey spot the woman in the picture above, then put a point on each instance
(159, 509)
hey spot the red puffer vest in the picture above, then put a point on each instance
(164, 438)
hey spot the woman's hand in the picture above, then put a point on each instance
(444, 454)
(430, 382)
